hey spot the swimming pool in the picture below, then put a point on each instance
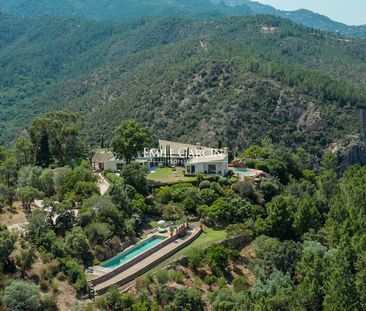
(132, 252)
(245, 172)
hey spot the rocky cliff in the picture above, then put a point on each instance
(350, 151)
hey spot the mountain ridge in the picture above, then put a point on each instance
(127, 10)
(301, 16)
(175, 76)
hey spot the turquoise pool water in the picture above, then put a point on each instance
(244, 171)
(134, 251)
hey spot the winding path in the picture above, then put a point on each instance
(103, 184)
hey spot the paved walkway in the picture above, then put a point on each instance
(99, 271)
(148, 263)
(103, 184)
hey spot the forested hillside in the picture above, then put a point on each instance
(177, 77)
(127, 10)
(292, 239)
(277, 224)
(122, 10)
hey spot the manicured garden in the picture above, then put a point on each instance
(168, 176)
(208, 237)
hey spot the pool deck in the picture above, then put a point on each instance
(98, 271)
(148, 262)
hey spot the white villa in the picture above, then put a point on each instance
(194, 158)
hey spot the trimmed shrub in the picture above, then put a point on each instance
(204, 185)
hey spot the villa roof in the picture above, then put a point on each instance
(175, 146)
(102, 156)
(209, 159)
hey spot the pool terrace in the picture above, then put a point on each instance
(140, 258)
(133, 252)
(246, 172)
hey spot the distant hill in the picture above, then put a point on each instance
(126, 10)
(304, 17)
(233, 80)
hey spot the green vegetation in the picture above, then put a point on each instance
(7, 245)
(167, 175)
(297, 69)
(127, 10)
(130, 140)
(122, 11)
(208, 237)
(285, 94)
(305, 225)
(19, 296)
(55, 137)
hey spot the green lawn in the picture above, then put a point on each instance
(167, 175)
(208, 237)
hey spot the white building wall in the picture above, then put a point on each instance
(200, 168)
(221, 167)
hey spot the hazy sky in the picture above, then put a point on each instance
(352, 12)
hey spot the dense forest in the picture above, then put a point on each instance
(127, 10)
(294, 84)
(123, 10)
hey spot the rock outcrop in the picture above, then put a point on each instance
(311, 119)
(300, 111)
(350, 151)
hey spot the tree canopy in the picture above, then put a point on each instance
(130, 140)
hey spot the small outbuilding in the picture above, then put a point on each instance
(212, 165)
(101, 159)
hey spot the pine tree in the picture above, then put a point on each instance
(43, 155)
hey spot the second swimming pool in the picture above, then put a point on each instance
(132, 252)
(244, 171)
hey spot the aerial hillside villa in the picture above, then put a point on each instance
(194, 158)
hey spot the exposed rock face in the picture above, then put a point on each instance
(288, 107)
(301, 111)
(311, 119)
(351, 151)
